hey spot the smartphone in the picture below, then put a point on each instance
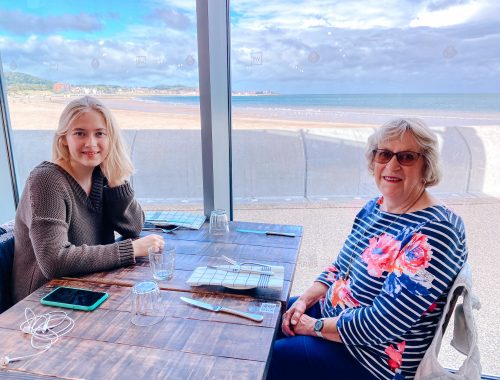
(74, 298)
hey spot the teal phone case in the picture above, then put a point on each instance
(75, 306)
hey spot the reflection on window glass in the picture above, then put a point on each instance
(140, 58)
(310, 81)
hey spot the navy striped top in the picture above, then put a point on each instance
(401, 271)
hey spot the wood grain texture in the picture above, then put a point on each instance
(10, 374)
(188, 342)
(193, 254)
(74, 358)
(202, 235)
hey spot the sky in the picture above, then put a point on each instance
(285, 46)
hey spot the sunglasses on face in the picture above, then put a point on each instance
(405, 158)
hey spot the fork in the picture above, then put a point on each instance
(236, 264)
(263, 279)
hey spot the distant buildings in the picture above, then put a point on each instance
(61, 88)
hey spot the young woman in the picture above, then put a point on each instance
(71, 207)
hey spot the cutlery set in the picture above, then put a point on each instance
(207, 306)
(265, 272)
(250, 267)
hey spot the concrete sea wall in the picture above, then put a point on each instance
(282, 164)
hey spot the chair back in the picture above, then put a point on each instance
(453, 297)
(6, 261)
(464, 334)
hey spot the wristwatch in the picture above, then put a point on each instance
(318, 326)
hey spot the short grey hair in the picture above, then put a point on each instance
(425, 138)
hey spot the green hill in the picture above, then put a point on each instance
(24, 82)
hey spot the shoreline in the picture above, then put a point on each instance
(42, 113)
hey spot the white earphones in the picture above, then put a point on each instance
(45, 330)
(6, 360)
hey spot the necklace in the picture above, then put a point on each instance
(356, 247)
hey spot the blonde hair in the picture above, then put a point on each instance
(425, 138)
(117, 164)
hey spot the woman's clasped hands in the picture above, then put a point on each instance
(295, 322)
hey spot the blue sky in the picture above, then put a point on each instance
(310, 46)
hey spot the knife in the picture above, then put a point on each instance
(288, 234)
(242, 270)
(204, 305)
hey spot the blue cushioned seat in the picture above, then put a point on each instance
(6, 260)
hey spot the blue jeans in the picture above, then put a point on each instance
(303, 357)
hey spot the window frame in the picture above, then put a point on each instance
(215, 112)
(10, 194)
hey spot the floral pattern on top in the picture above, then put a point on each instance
(380, 254)
(332, 273)
(405, 266)
(409, 268)
(391, 261)
(395, 355)
(414, 256)
(342, 295)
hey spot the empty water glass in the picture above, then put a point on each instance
(147, 307)
(162, 262)
(219, 223)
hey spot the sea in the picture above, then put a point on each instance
(443, 109)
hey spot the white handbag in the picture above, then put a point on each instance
(464, 336)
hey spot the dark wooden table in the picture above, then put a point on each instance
(188, 343)
(195, 248)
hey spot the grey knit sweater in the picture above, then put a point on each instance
(60, 231)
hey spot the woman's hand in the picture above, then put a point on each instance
(292, 316)
(312, 295)
(141, 245)
(305, 325)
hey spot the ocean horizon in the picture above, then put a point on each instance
(473, 103)
(458, 110)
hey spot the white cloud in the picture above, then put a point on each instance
(292, 46)
(453, 15)
(21, 23)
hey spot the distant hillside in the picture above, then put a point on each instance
(22, 82)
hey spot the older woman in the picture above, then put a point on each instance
(374, 311)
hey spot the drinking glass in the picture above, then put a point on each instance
(219, 223)
(147, 308)
(162, 262)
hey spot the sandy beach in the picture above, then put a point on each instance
(42, 113)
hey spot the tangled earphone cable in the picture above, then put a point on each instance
(45, 330)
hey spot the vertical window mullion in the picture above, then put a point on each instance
(10, 194)
(215, 103)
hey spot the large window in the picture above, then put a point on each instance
(140, 58)
(310, 81)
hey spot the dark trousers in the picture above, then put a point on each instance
(304, 357)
